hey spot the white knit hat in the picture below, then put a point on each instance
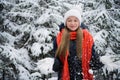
(75, 11)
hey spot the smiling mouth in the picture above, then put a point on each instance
(72, 26)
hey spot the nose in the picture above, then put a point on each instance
(72, 22)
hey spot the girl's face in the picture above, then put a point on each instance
(72, 23)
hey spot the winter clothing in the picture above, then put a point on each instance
(76, 67)
(75, 11)
(86, 56)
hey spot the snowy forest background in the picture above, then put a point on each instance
(28, 27)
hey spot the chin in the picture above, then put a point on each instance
(74, 29)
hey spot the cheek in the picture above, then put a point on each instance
(67, 23)
(78, 23)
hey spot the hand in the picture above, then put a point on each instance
(57, 65)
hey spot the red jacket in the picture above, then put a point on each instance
(86, 56)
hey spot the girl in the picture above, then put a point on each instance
(74, 52)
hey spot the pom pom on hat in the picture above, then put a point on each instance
(75, 11)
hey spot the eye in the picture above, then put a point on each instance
(75, 20)
(69, 20)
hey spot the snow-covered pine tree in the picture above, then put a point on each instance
(27, 29)
(104, 23)
(27, 33)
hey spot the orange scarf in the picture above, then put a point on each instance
(86, 55)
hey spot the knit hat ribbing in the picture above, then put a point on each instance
(75, 11)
